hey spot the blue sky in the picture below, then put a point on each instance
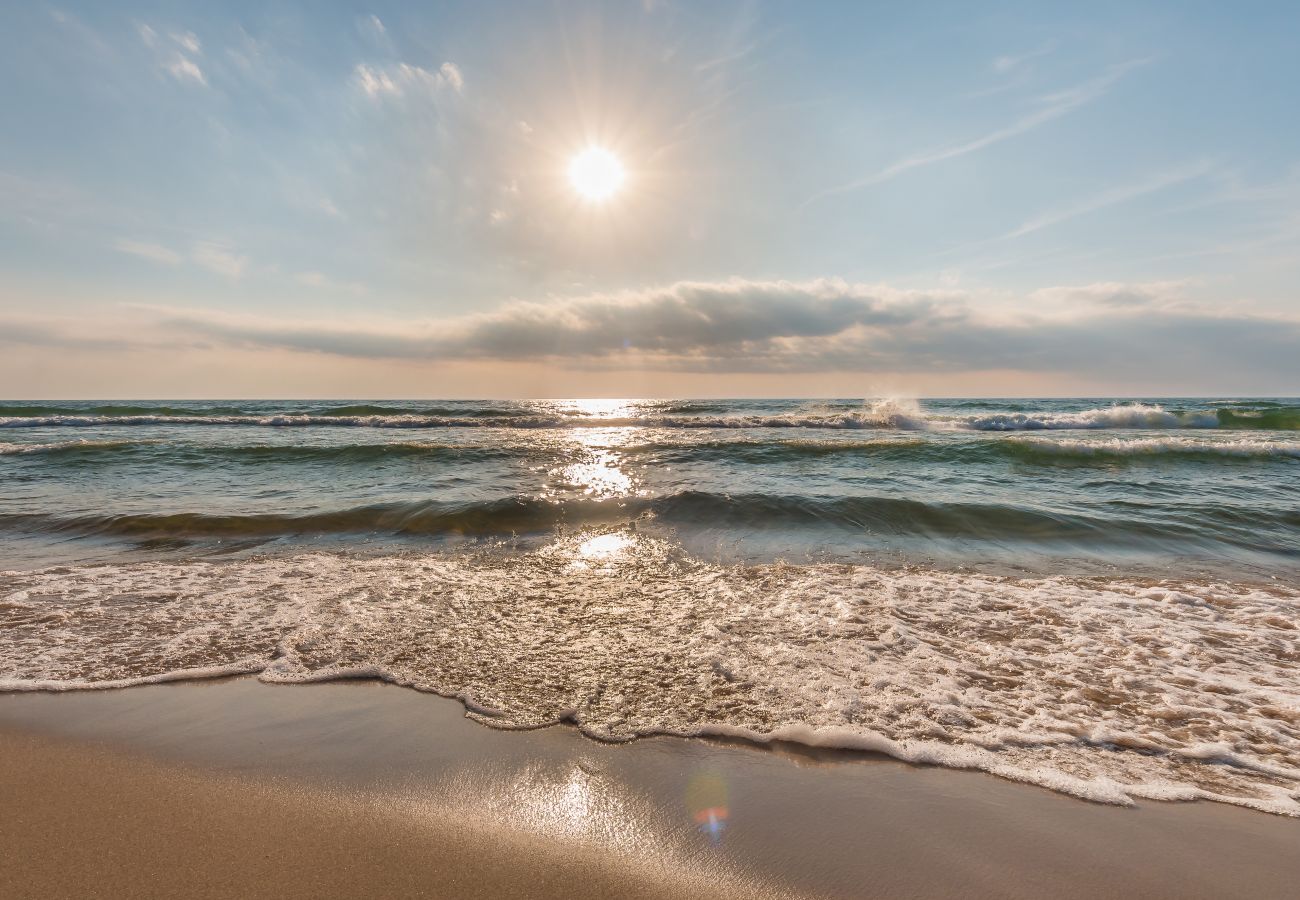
(329, 199)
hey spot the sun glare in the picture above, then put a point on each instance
(596, 174)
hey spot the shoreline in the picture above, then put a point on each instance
(361, 779)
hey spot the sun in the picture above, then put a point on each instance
(596, 174)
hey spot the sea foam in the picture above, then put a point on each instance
(1105, 689)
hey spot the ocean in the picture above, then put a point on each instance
(1098, 596)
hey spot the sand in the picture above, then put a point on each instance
(236, 788)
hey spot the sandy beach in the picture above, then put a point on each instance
(236, 788)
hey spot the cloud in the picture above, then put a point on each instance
(450, 74)
(379, 82)
(373, 30)
(217, 257)
(1111, 197)
(178, 60)
(1121, 334)
(824, 325)
(324, 282)
(1052, 107)
(1005, 64)
(1165, 294)
(145, 250)
(182, 68)
(188, 41)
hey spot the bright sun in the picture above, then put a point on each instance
(596, 174)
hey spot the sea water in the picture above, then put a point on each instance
(1101, 597)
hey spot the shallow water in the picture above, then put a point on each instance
(1095, 596)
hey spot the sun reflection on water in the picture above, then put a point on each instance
(604, 546)
(594, 468)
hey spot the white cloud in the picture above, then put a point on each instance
(182, 68)
(217, 257)
(178, 60)
(188, 40)
(375, 81)
(395, 81)
(450, 73)
(145, 250)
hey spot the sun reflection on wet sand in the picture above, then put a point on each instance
(573, 805)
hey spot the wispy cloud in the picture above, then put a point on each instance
(728, 57)
(215, 256)
(1052, 107)
(1118, 294)
(218, 257)
(188, 41)
(378, 82)
(324, 282)
(1112, 197)
(152, 252)
(178, 54)
(1006, 64)
(182, 68)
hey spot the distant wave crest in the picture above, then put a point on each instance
(885, 414)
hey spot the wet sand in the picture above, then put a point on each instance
(236, 788)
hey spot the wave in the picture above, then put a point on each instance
(1106, 689)
(880, 517)
(81, 452)
(368, 410)
(26, 410)
(975, 450)
(1279, 418)
(888, 415)
(1135, 415)
(846, 454)
(1151, 449)
(69, 448)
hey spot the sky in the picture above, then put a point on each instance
(271, 199)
